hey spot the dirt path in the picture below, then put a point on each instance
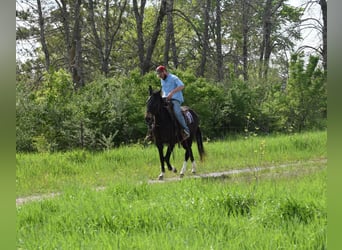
(22, 200)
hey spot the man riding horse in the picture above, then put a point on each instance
(172, 89)
(168, 126)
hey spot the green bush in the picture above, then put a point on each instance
(305, 102)
(206, 99)
(107, 112)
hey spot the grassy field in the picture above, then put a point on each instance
(44, 173)
(275, 209)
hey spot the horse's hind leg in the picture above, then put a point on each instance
(193, 169)
(193, 163)
(183, 170)
(188, 154)
(167, 159)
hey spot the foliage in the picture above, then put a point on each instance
(114, 42)
(54, 113)
(46, 113)
(25, 118)
(306, 96)
(239, 106)
(110, 111)
(206, 99)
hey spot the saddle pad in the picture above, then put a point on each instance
(188, 116)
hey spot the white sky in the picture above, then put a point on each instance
(311, 37)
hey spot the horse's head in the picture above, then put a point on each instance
(153, 106)
(154, 102)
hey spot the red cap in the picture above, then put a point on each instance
(160, 68)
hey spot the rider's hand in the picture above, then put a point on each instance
(169, 96)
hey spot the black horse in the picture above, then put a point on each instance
(166, 130)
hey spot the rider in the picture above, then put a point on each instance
(172, 88)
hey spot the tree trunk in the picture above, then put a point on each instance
(77, 67)
(266, 33)
(139, 19)
(168, 32)
(323, 4)
(104, 47)
(42, 36)
(205, 48)
(98, 43)
(170, 42)
(266, 44)
(218, 30)
(108, 43)
(245, 28)
(74, 45)
(145, 60)
(174, 46)
(66, 27)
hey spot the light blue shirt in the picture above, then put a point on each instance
(170, 83)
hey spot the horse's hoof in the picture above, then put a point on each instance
(160, 177)
(193, 171)
(181, 175)
(173, 169)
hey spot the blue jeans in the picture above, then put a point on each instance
(179, 115)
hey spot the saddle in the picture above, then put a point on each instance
(186, 114)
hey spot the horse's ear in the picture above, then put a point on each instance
(150, 90)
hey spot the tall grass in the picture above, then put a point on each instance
(45, 172)
(278, 209)
(277, 213)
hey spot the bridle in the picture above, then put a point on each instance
(149, 116)
(153, 108)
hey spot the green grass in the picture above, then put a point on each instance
(45, 173)
(277, 213)
(283, 208)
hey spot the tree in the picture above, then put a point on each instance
(42, 35)
(213, 38)
(111, 25)
(245, 30)
(206, 7)
(324, 9)
(218, 42)
(145, 58)
(65, 20)
(63, 12)
(269, 16)
(170, 41)
(76, 48)
(314, 21)
(305, 93)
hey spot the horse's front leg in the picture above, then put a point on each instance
(167, 158)
(161, 158)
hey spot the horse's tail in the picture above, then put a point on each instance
(200, 143)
